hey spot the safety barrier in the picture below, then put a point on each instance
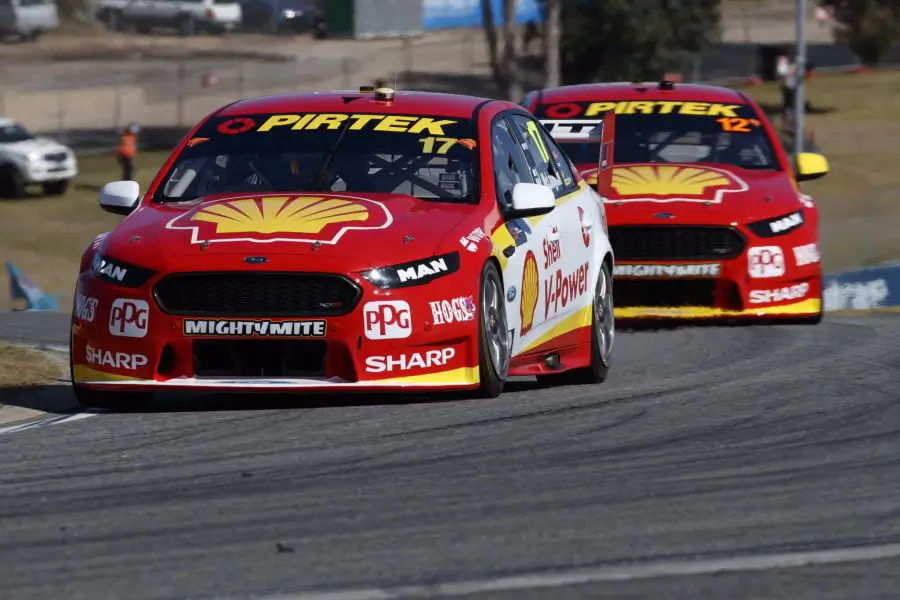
(863, 288)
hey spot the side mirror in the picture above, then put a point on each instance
(811, 166)
(120, 197)
(531, 200)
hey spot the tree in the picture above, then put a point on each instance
(552, 65)
(506, 69)
(617, 40)
(869, 27)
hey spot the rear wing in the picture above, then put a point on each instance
(601, 131)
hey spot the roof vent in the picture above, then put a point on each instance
(665, 84)
(366, 89)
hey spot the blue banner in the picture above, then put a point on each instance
(447, 14)
(863, 289)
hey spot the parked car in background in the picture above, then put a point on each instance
(27, 19)
(188, 17)
(277, 16)
(26, 159)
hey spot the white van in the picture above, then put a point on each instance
(27, 19)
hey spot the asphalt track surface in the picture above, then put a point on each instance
(739, 463)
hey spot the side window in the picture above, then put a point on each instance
(562, 163)
(547, 170)
(510, 165)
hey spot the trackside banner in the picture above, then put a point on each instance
(447, 14)
(863, 289)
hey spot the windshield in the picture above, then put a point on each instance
(432, 158)
(13, 132)
(664, 132)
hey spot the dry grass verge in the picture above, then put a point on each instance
(23, 368)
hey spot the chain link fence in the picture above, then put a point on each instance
(84, 102)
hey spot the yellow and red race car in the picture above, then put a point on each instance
(705, 215)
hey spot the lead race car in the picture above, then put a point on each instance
(706, 218)
(348, 241)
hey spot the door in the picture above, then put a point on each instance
(565, 268)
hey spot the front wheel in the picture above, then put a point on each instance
(493, 335)
(603, 331)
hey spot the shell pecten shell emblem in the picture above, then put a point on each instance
(323, 219)
(529, 294)
(674, 183)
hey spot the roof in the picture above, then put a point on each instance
(405, 102)
(688, 92)
(6, 122)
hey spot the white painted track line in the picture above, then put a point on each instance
(582, 576)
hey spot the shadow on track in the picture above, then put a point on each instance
(59, 399)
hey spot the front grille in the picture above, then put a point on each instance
(662, 292)
(259, 358)
(257, 294)
(675, 243)
(56, 157)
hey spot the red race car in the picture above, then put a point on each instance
(706, 218)
(348, 241)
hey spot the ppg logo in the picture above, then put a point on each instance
(128, 318)
(387, 320)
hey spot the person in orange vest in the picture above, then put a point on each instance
(126, 150)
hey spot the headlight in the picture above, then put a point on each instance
(778, 225)
(118, 272)
(412, 273)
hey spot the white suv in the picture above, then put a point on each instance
(189, 17)
(26, 159)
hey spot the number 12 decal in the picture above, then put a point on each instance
(737, 124)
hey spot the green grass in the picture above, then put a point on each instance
(859, 200)
(46, 236)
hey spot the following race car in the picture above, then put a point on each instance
(348, 241)
(705, 215)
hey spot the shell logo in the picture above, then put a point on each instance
(674, 183)
(323, 219)
(529, 297)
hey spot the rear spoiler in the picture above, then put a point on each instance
(602, 131)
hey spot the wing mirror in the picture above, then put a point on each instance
(811, 165)
(120, 197)
(531, 200)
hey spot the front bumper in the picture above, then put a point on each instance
(45, 170)
(391, 340)
(726, 290)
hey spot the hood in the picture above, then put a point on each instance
(695, 194)
(35, 145)
(341, 232)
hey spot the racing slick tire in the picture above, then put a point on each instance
(493, 334)
(603, 329)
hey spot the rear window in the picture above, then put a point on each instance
(663, 132)
(428, 157)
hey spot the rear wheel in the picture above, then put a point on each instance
(603, 331)
(493, 335)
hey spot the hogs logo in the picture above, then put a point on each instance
(530, 288)
(674, 183)
(282, 219)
